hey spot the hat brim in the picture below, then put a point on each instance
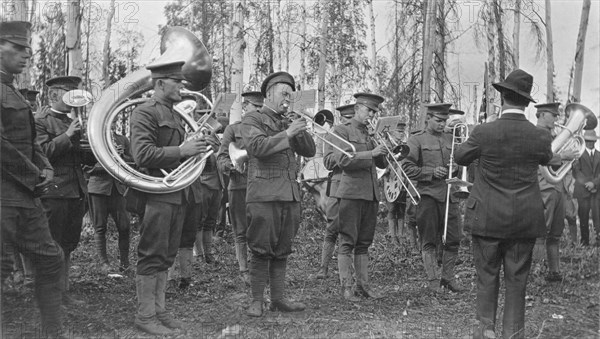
(502, 86)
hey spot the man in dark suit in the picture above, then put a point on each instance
(358, 195)
(505, 208)
(158, 142)
(273, 193)
(586, 172)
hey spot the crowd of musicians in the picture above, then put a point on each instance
(46, 185)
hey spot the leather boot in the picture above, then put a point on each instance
(430, 265)
(67, 299)
(241, 254)
(100, 241)
(393, 230)
(361, 264)
(159, 303)
(448, 264)
(145, 286)
(49, 296)
(185, 264)
(345, 272)
(326, 253)
(207, 239)
(277, 270)
(124, 249)
(553, 257)
(259, 272)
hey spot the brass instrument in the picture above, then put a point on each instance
(317, 130)
(177, 43)
(460, 133)
(239, 157)
(78, 99)
(571, 137)
(394, 165)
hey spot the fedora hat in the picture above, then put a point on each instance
(519, 82)
(590, 135)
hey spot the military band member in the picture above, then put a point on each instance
(253, 102)
(331, 213)
(26, 173)
(59, 136)
(358, 196)
(158, 142)
(273, 193)
(396, 209)
(505, 209)
(427, 163)
(107, 198)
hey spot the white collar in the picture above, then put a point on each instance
(59, 112)
(513, 110)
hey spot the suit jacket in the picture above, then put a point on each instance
(359, 175)
(237, 180)
(586, 169)
(63, 152)
(272, 164)
(156, 133)
(505, 200)
(22, 157)
(100, 181)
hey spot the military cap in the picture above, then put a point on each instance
(32, 95)
(167, 70)
(275, 78)
(17, 32)
(372, 101)
(519, 82)
(255, 98)
(590, 135)
(456, 112)
(66, 83)
(439, 110)
(347, 111)
(551, 108)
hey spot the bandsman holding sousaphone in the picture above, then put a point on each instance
(232, 160)
(158, 142)
(59, 135)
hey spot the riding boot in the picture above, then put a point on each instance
(207, 239)
(326, 253)
(49, 296)
(393, 229)
(124, 249)
(67, 299)
(185, 267)
(159, 303)
(448, 264)
(100, 241)
(277, 268)
(241, 253)
(259, 272)
(146, 310)
(345, 272)
(430, 265)
(553, 257)
(361, 264)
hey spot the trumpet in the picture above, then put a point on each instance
(312, 130)
(395, 166)
(460, 133)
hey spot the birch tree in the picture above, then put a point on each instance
(549, 56)
(430, 10)
(237, 59)
(580, 48)
(323, 53)
(516, 34)
(373, 71)
(303, 46)
(106, 49)
(73, 39)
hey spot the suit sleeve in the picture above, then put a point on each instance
(469, 150)
(362, 159)
(413, 163)
(144, 138)
(256, 140)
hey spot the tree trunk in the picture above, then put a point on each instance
(549, 56)
(428, 41)
(224, 46)
(323, 53)
(373, 72)
(516, 33)
(270, 38)
(501, 49)
(237, 59)
(287, 37)
(303, 47)
(578, 77)
(491, 40)
(440, 53)
(106, 49)
(277, 31)
(73, 39)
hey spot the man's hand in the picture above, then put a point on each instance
(589, 186)
(568, 154)
(379, 150)
(74, 127)
(193, 147)
(47, 177)
(296, 127)
(440, 172)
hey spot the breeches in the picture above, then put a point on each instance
(430, 221)
(554, 212)
(103, 205)
(396, 209)
(272, 227)
(191, 222)
(210, 201)
(237, 211)
(357, 221)
(65, 217)
(160, 235)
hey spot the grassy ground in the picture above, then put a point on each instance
(214, 306)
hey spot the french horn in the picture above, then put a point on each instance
(177, 43)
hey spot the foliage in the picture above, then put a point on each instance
(125, 58)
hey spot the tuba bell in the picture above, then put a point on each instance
(570, 137)
(177, 43)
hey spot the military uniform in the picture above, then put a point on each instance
(428, 151)
(107, 197)
(24, 223)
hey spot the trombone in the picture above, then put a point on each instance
(462, 182)
(395, 166)
(324, 131)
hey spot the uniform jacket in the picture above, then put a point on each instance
(586, 169)
(22, 157)
(232, 133)
(63, 152)
(428, 151)
(359, 175)
(100, 181)
(156, 133)
(505, 200)
(272, 164)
